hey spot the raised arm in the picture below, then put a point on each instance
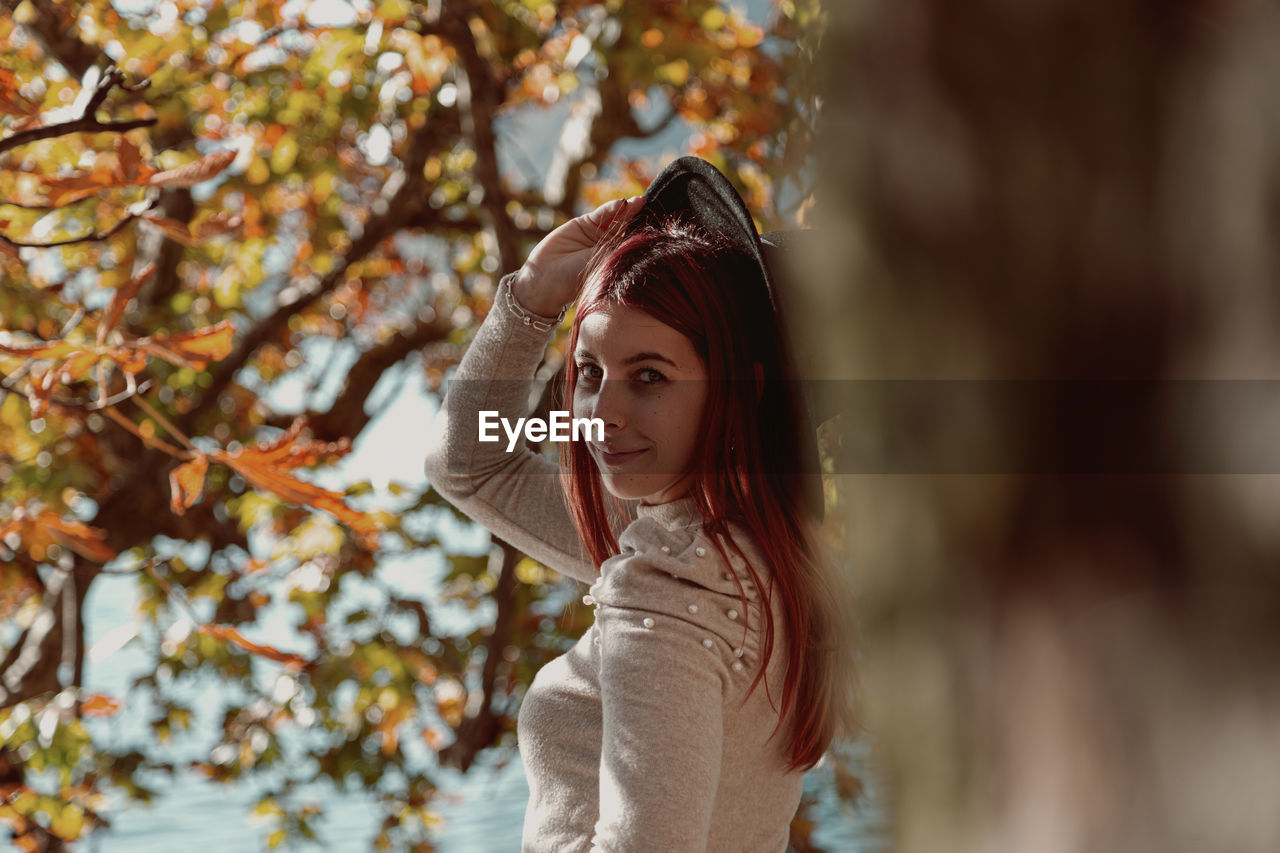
(517, 495)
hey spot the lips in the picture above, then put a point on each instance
(615, 458)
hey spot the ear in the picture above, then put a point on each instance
(759, 372)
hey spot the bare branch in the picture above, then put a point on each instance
(92, 237)
(478, 100)
(347, 416)
(88, 122)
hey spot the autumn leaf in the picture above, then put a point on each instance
(12, 101)
(40, 528)
(284, 451)
(131, 165)
(194, 349)
(99, 705)
(172, 228)
(193, 173)
(76, 367)
(120, 299)
(63, 190)
(259, 473)
(220, 223)
(79, 537)
(186, 483)
(231, 635)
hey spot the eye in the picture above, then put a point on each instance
(649, 376)
(589, 372)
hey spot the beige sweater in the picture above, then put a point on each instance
(641, 737)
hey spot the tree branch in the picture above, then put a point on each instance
(92, 237)
(478, 100)
(112, 78)
(402, 205)
(347, 416)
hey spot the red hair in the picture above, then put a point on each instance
(715, 296)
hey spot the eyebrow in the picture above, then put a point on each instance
(632, 359)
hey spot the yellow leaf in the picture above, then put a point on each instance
(67, 822)
(193, 349)
(77, 366)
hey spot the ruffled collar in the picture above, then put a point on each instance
(681, 512)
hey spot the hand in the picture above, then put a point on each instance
(552, 276)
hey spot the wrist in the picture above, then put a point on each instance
(534, 299)
(540, 318)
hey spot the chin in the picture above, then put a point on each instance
(636, 487)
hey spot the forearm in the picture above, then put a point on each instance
(516, 494)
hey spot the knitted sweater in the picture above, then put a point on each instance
(642, 736)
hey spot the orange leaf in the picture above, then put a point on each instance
(173, 229)
(193, 349)
(99, 705)
(284, 452)
(69, 188)
(259, 474)
(193, 173)
(131, 361)
(12, 101)
(81, 538)
(220, 223)
(130, 159)
(186, 483)
(229, 634)
(120, 299)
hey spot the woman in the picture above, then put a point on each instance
(685, 717)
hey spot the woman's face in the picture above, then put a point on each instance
(648, 384)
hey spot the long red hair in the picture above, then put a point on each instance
(749, 465)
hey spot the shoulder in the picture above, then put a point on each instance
(674, 591)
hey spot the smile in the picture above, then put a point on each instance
(615, 460)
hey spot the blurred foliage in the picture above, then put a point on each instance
(201, 203)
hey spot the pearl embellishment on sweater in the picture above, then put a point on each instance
(693, 608)
(737, 652)
(732, 614)
(737, 666)
(588, 600)
(707, 642)
(666, 549)
(648, 622)
(700, 551)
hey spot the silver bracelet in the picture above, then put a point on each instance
(529, 318)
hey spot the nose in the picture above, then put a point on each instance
(607, 402)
